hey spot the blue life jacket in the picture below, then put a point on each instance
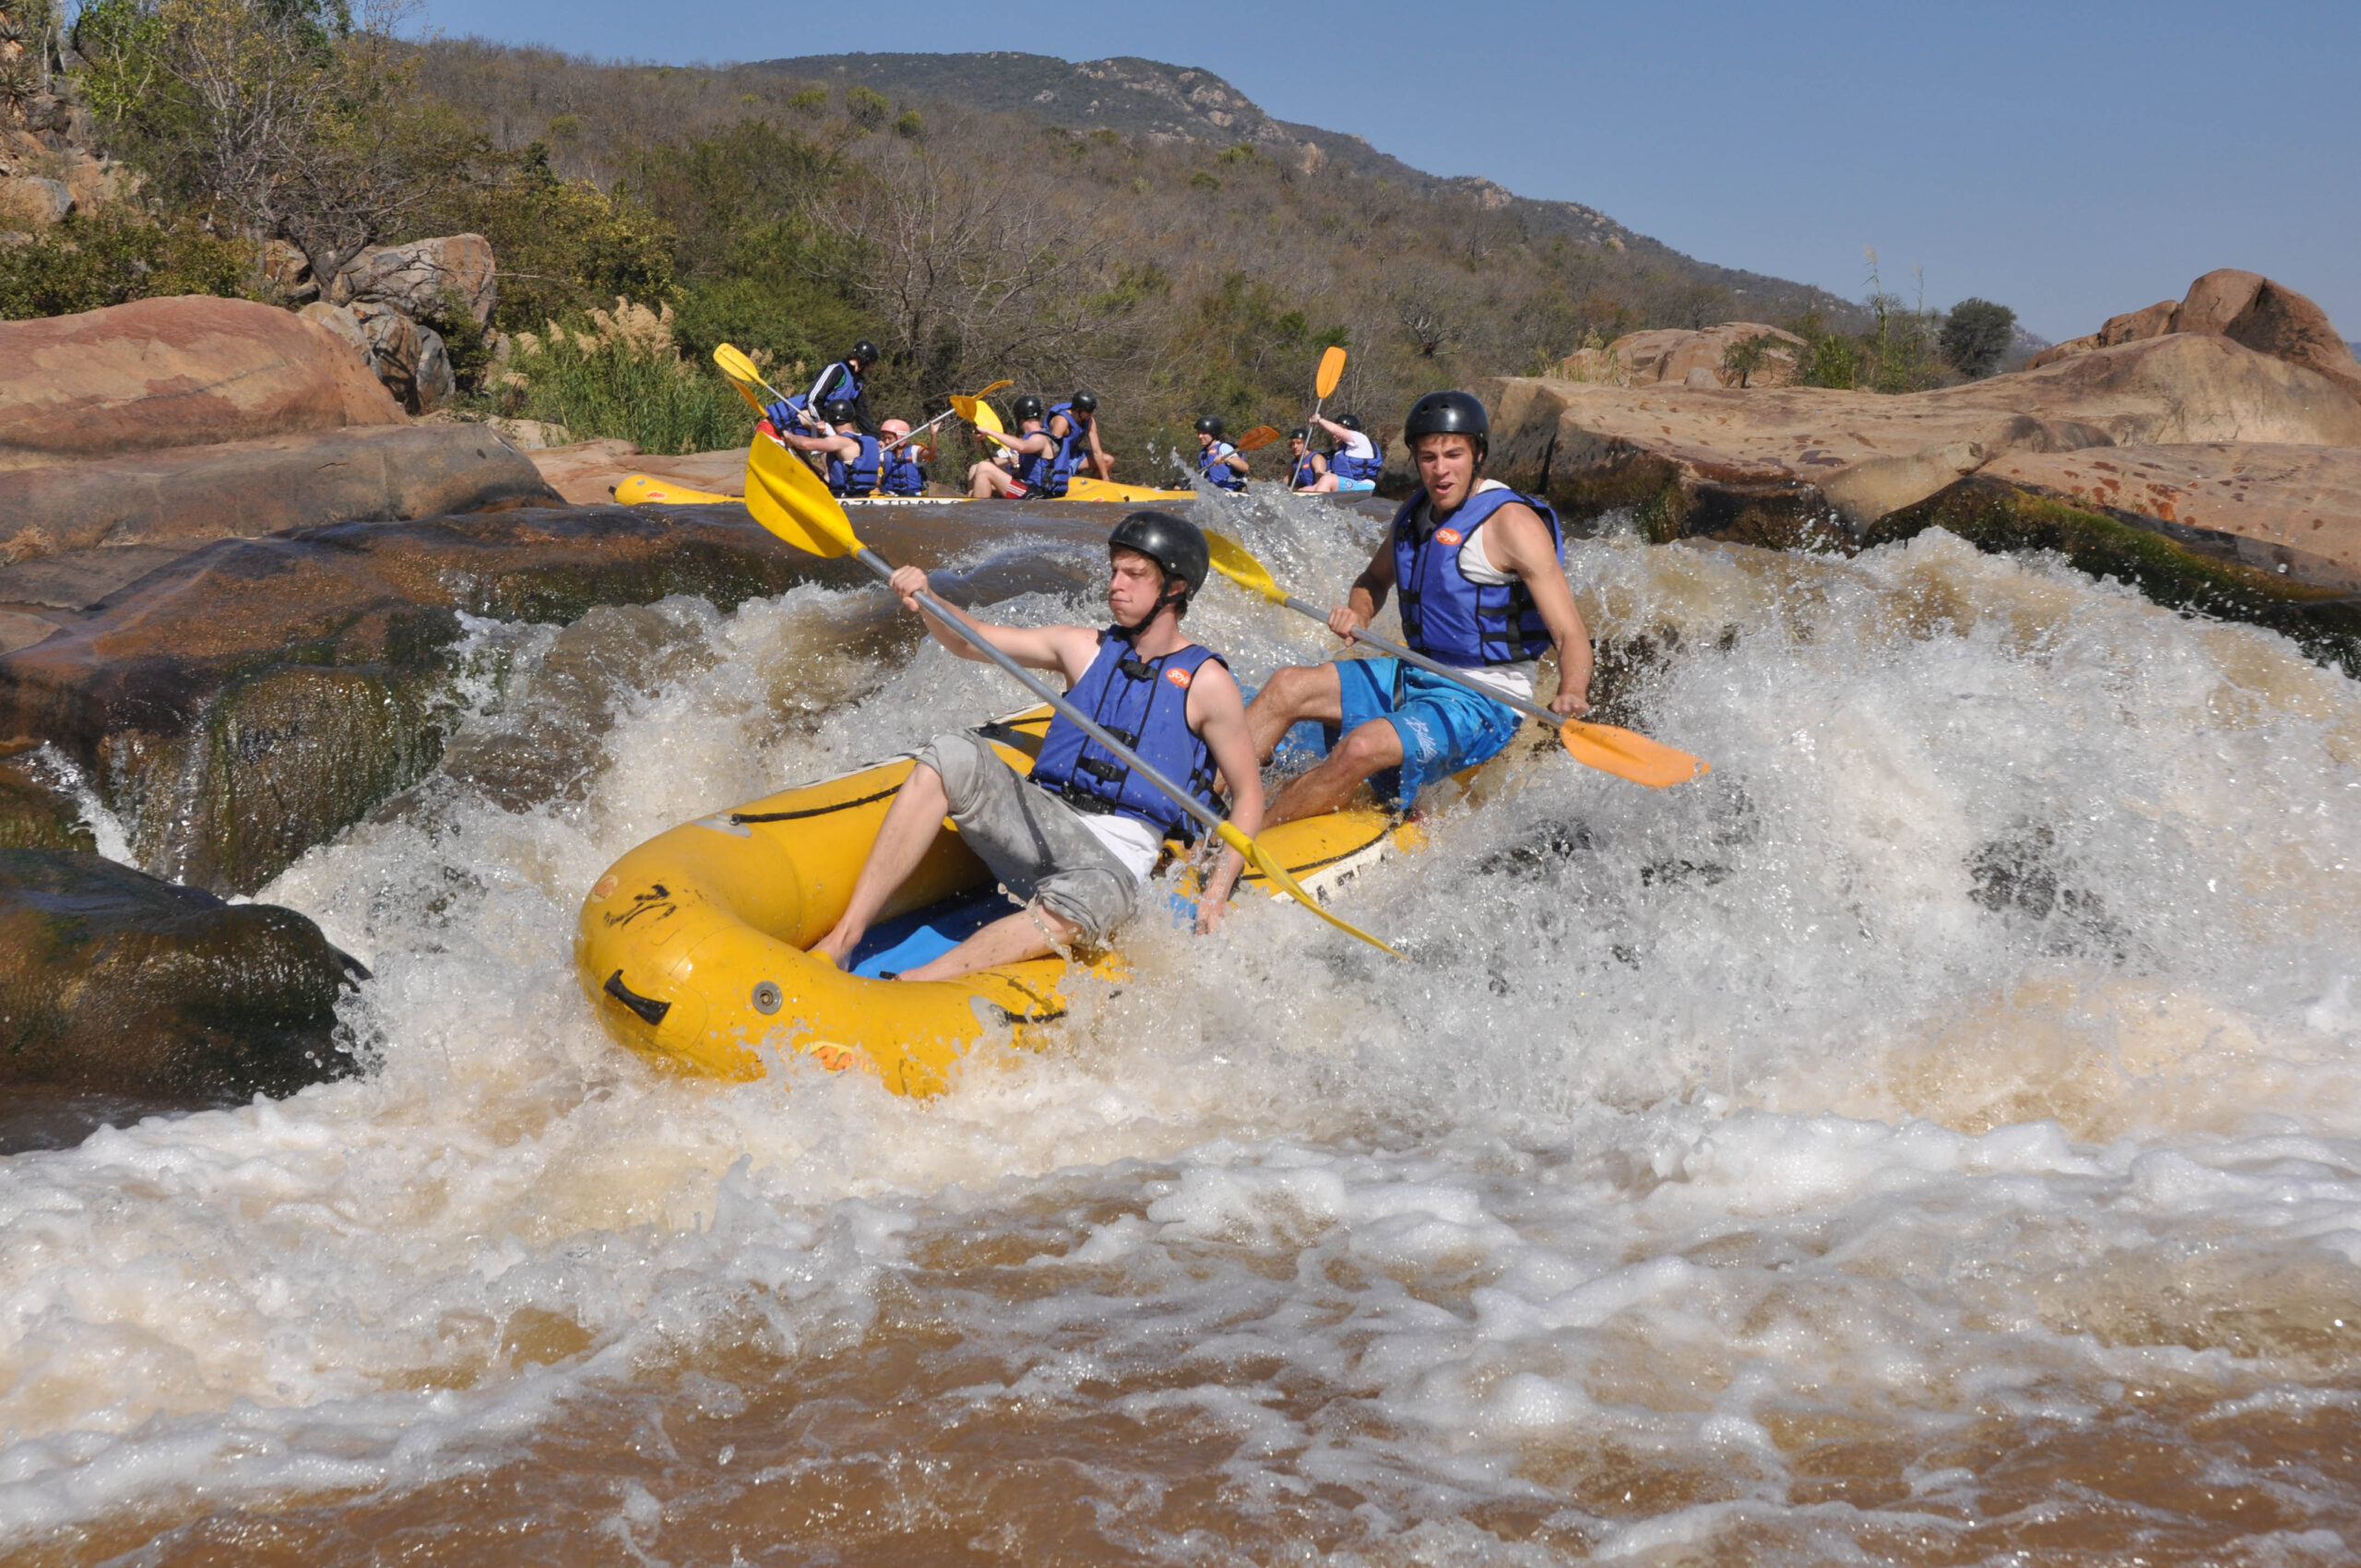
(1036, 470)
(1216, 472)
(836, 381)
(787, 416)
(1144, 703)
(1306, 476)
(904, 475)
(1071, 449)
(1348, 468)
(859, 476)
(1444, 615)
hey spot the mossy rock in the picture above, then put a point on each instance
(2180, 567)
(113, 981)
(34, 813)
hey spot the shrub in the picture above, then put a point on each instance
(1976, 336)
(622, 376)
(866, 107)
(114, 256)
(1832, 363)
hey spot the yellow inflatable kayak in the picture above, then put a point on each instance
(691, 947)
(1080, 488)
(638, 489)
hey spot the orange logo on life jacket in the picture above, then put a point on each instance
(1178, 677)
(1447, 536)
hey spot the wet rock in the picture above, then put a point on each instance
(257, 696)
(35, 812)
(180, 371)
(193, 494)
(113, 980)
(1806, 467)
(2185, 567)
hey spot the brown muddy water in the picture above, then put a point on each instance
(1935, 1137)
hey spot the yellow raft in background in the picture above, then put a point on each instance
(691, 947)
(638, 489)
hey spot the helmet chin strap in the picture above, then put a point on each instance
(1130, 634)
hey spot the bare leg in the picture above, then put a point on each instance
(903, 840)
(1294, 692)
(1010, 939)
(1371, 748)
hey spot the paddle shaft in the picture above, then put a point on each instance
(1317, 404)
(1039, 688)
(1396, 650)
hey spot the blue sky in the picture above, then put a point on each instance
(2070, 160)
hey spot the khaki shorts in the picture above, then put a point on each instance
(1036, 845)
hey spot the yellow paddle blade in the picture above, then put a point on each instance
(752, 401)
(1255, 440)
(736, 365)
(788, 498)
(1332, 370)
(1628, 754)
(1276, 874)
(988, 417)
(965, 406)
(1232, 560)
(996, 387)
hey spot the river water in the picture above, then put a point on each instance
(1935, 1136)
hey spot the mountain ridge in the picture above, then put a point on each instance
(1134, 96)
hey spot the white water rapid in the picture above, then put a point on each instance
(1934, 1136)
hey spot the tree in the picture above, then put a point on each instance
(1976, 336)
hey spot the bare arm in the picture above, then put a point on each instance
(1066, 649)
(1517, 540)
(1361, 605)
(844, 447)
(1219, 715)
(1331, 426)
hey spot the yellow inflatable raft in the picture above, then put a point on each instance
(691, 947)
(636, 489)
(1081, 488)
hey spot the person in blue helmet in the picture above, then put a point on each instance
(845, 380)
(1218, 463)
(1355, 459)
(1035, 449)
(1075, 842)
(856, 461)
(1483, 591)
(1310, 475)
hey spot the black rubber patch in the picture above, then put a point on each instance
(651, 1012)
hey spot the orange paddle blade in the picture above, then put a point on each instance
(1255, 440)
(1332, 371)
(1629, 754)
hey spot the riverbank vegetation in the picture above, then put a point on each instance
(1173, 278)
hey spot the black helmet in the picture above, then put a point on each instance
(865, 351)
(1173, 543)
(1350, 421)
(1209, 424)
(1301, 432)
(1027, 407)
(1449, 413)
(1086, 401)
(837, 411)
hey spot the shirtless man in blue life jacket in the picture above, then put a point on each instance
(856, 462)
(1218, 463)
(1035, 449)
(1077, 839)
(1483, 591)
(1310, 475)
(1073, 424)
(906, 459)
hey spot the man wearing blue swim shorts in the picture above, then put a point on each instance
(1478, 566)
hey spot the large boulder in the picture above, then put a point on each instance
(243, 703)
(425, 278)
(586, 473)
(1791, 465)
(1675, 355)
(2245, 307)
(409, 360)
(192, 495)
(112, 981)
(180, 371)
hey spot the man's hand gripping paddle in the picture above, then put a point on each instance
(788, 499)
(1603, 746)
(1332, 371)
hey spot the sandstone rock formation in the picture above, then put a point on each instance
(2245, 307)
(1676, 355)
(425, 278)
(181, 372)
(191, 496)
(113, 981)
(586, 473)
(1774, 465)
(409, 360)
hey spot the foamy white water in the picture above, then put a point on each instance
(1933, 1136)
